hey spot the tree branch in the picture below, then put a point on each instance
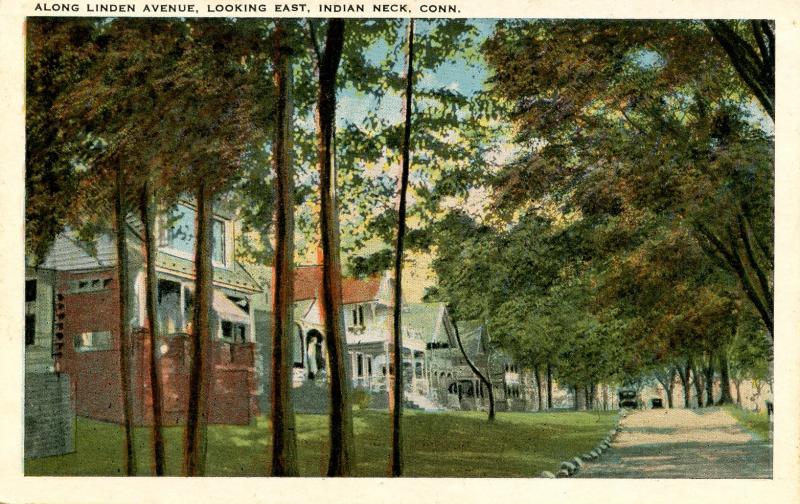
(746, 63)
(748, 247)
(312, 34)
(758, 35)
(749, 288)
(734, 263)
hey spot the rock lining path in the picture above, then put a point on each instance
(679, 443)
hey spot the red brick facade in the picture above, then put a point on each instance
(95, 373)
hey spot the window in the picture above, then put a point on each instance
(87, 285)
(30, 291)
(30, 329)
(241, 302)
(233, 332)
(179, 233)
(357, 316)
(93, 341)
(188, 304)
(359, 365)
(369, 366)
(218, 240)
(169, 306)
(298, 349)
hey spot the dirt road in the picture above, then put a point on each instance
(678, 443)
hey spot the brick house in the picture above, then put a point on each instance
(86, 343)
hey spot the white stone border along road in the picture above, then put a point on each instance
(568, 468)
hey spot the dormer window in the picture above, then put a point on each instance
(178, 234)
(358, 316)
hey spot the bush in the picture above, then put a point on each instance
(361, 399)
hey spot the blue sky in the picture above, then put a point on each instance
(457, 74)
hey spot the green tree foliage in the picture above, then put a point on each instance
(625, 124)
(57, 56)
(637, 212)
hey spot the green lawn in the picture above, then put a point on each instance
(757, 423)
(437, 444)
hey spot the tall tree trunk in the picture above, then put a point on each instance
(685, 375)
(120, 212)
(284, 440)
(483, 378)
(697, 374)
(724, 379)
(668, 382)
(341, 460)
(738, 384)
(537, 373)
(194, 440)
(575, 395)
(708, 377)
(396, 409)
(671, 388)
(147, 209)
(549, 386)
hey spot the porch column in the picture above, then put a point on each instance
(386, 364)
(413, 370)
(182, 310)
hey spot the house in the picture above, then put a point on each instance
(367, 315)
(86, 343)
(367, 312)
(513, 386)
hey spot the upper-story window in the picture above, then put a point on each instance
(179, 234)
(357, 316)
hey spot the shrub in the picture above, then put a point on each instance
(361, 399)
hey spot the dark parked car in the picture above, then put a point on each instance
(628, 399)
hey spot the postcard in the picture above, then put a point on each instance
(439, 251)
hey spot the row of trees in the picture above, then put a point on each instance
(632, 230)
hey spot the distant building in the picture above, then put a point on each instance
(367, 312)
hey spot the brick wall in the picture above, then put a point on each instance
(96, 373)
(97, 385)
(49, 415)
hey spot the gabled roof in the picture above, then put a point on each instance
(69, 254)
(355, 290)
(307, 282)
(308, 285)
(429, 321)
(472, 334)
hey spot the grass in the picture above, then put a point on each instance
(757, 423)
(457, 444)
